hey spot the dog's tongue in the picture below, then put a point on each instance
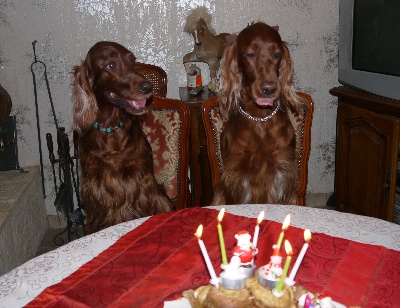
(265, 101)
(138, 104)
(133, 103)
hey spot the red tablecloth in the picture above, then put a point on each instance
(161, 258)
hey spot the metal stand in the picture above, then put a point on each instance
(68, 177)
(68, 173)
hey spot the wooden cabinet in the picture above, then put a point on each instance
(199, 165)
(367, 149)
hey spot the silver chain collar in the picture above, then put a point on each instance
(256, 119)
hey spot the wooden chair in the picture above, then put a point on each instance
(156, 75)
(167, 127)
(302, 124)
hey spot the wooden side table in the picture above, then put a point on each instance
(199, 165)
(367, 151)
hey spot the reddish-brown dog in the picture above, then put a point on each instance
(258, 144)
(110, 97)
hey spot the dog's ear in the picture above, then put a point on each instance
(286, 68)
(286, 77)
(85, 107)
(230, 81)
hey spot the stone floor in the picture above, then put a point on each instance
(48, 242)
(54, 238)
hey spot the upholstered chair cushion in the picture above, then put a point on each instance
(166, 129)
(162, 128)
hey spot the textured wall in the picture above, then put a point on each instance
(153, 30)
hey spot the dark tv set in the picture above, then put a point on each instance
(369, 46)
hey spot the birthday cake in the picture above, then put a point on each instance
(256, 295)
(241, 284)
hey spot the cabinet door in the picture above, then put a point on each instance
(366, 162)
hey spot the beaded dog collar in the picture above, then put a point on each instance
(245, 114)
(108, 129)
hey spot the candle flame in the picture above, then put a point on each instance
(307, 235)
(221, 214)
(288, 248)
(286, 222)
(260, 217)
(199, 231)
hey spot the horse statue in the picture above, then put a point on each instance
(208, 47)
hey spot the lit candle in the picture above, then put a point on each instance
(214, 278)
(285, 225)
(279, 285)
(257, 229)
(307, 238)
(221, 237)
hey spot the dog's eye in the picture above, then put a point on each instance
(250, 55)
(277, 55)
(111, 66)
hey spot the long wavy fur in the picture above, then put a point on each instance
(85, 106)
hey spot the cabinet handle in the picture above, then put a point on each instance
(386, 184)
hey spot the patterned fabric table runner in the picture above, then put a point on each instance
(161, 258)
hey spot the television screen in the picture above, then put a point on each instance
(376, 36)
(369, 46)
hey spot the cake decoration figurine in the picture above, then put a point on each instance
(274, 293)
(232, 269)
(269, 274)
(232, 278)
(244, 248)
(326, 302)
(309, 300)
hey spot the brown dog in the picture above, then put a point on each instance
(110, 97)
(258, 144)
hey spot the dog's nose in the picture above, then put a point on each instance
(268, 88)
(145, 87)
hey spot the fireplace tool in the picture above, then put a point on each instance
(68, 172)
(5, 109)
(68, 175)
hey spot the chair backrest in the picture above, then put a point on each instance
(166, 128)
(213, 125)
(156, 75)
